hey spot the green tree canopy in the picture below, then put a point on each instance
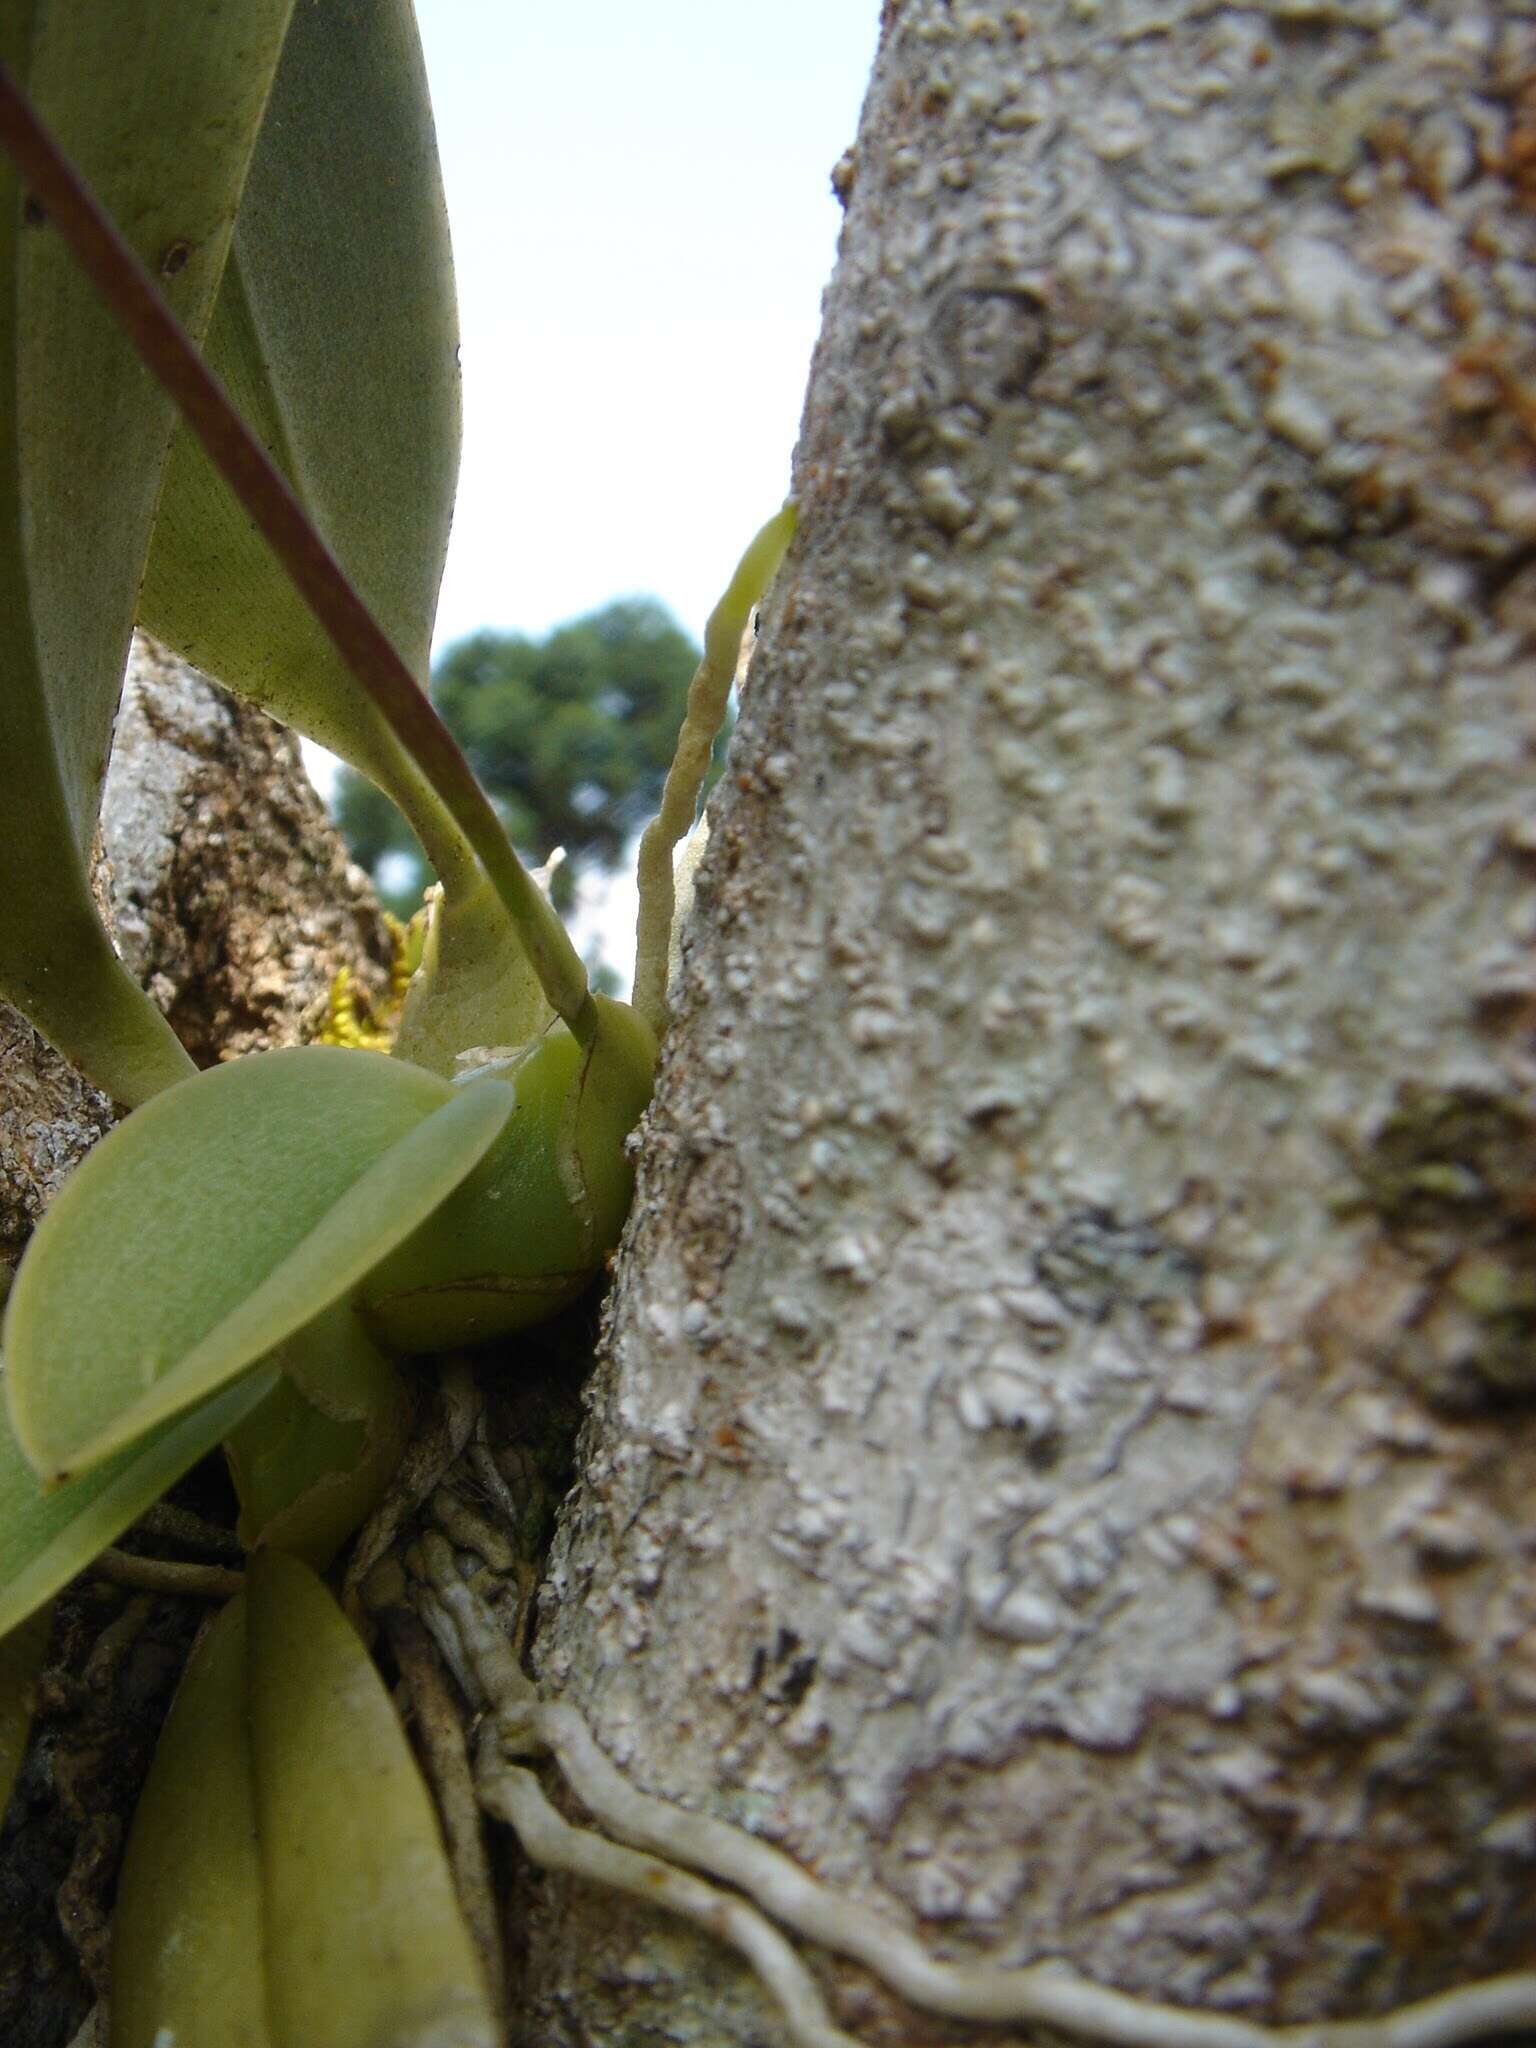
(571, 734)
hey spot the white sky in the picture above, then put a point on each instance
(642, 226)
(643, 223)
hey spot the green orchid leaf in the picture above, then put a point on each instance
(527, 1230)
(187, 1960)
(335, 333)
(285, 1884)
(365, 1940)
(21, 1659)
(46, 1538)
(316, 1458)
(215, 1222)
(160, 107)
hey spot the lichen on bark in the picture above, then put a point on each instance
(1062, 1461)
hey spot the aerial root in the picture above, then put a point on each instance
(167, 1575)
(515, 1795)
(441, 1732)
(662, 1843)
(1046, 1994)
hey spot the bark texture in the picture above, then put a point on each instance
(49, 1119)
(1063, 1464)
(234, 903)
(234, 900)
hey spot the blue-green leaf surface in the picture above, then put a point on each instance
(335, 333)
(215, 1221)
(46, 1538)
(160, 107)
(285, 1884)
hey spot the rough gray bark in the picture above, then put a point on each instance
(49, 1120)
(1062, 1464)
(234, 902)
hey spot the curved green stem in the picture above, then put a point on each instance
(708, 694)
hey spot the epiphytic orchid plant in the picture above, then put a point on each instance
(244, 1259)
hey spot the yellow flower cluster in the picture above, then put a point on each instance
(368, 1024)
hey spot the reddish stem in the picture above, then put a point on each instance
(167, 351)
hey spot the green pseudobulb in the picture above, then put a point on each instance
(530, 1226)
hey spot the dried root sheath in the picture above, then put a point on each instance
(707, 697)
(163, 1575)
(171, 1524)
(427, 1459)
(442, 1740)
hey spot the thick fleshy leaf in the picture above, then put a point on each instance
(528, 1229)
(335, 333)
(345, 1824)
(21, 1658)
(187, 1962)
(46, 1538)
(315, 1459)
(217, 1220)
(285, 1826)
(160, 108)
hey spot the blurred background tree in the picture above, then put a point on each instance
(571, 735)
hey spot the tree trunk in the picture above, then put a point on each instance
(1062, 1465)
